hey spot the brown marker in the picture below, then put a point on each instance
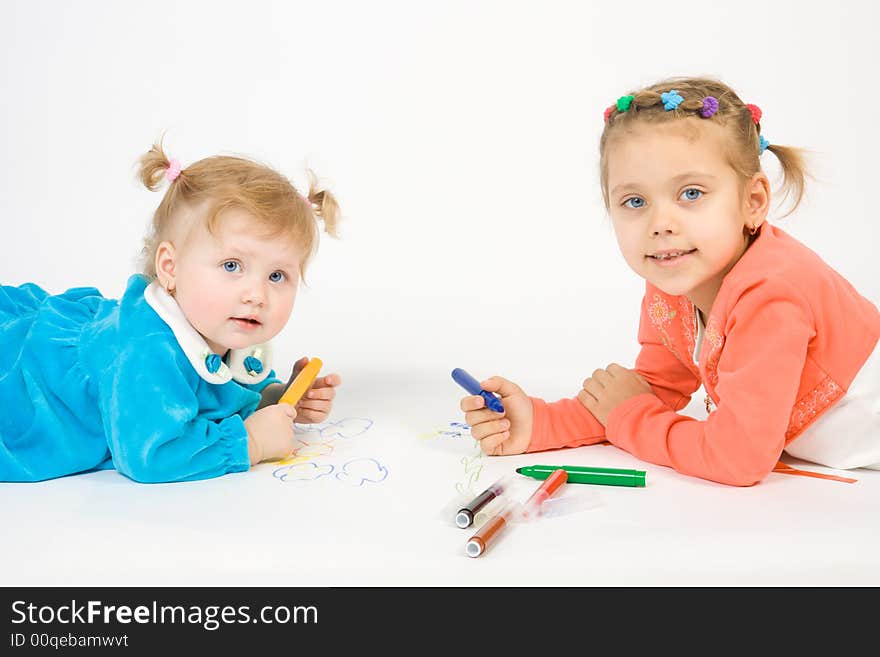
(478, 543)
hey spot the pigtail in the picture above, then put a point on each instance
(324, 204)
(794, 174)
(153, 166)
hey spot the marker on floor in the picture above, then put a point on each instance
(465, 516)
(478, 543)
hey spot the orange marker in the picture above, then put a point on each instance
(478, 543)
(301, 383)
(551, 484)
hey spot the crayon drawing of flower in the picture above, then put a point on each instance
(302, 471)
(358, 471)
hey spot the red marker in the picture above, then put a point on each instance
(551, 484)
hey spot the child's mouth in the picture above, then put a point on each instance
(670, 257)
(246, 322)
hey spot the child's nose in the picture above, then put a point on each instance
(663, 222)
(254, 292)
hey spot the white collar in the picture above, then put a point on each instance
(197, 350)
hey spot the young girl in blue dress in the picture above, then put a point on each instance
(174, 381)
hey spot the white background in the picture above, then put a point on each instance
(461, 139)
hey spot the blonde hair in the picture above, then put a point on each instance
(225, 182)
(646, 106)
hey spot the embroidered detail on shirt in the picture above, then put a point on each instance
(811, 405)
(661, 314)
(689, 324)
(714, 338)
(710, 404)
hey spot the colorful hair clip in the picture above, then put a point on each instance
(608, 111)
(671, 99)
(710, 106)
(173, 170)
(624, 102)
(763, 144)
(756, 113)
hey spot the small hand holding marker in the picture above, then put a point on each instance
(502, 432)
(312, 396)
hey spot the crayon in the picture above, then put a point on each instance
(301, 383)
(470, 384)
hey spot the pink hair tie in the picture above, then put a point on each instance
(173, 170)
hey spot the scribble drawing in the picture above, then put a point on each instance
(473, 466)
(358, 471)
(303, 471)
(314, 450)
(452, 430)
(320, 440)
(306, 451)
(346, 428)
(316, 440)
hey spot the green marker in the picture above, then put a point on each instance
(586, 475)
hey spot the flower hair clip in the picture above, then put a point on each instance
(173, 170)
(671, 99)
(763, 144)
(710, 106)
(756, 113)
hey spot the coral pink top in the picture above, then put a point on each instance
(785, 338)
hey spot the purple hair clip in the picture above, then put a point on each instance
(710, 106)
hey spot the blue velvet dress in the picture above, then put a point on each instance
(90, 383)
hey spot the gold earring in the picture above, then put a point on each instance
(753, 230)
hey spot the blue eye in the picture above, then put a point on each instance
(231, 266)
(277, 276)
(691, 194)
(635, 202)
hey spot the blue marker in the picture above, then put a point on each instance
(470, 384)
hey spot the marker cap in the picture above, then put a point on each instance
(563, 505)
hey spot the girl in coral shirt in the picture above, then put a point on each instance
(786, 348)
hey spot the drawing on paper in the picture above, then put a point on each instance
(317, 447)
(452, 430)
(359, 471)
(473, 463)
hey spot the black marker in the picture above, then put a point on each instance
(465, 516)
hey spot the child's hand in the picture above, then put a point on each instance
(315, 404)
(270, 433)
(608, 388)
(500, 434)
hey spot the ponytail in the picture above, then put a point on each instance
(324, 205)
(794, 174)
(154, 165)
